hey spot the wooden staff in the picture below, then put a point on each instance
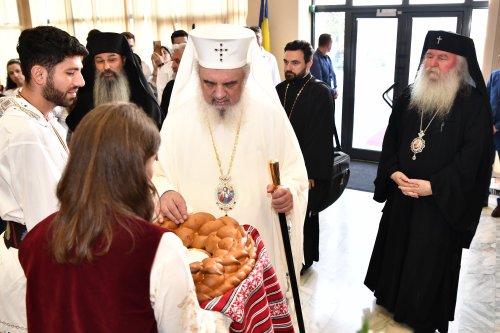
(275, 175)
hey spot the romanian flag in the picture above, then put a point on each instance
(264, 25)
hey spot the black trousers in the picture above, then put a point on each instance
(3, 225)
(311, 223)
(311, 238)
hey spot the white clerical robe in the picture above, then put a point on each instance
(189, 164)
(32, 159)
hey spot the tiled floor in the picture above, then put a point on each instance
(333, 296)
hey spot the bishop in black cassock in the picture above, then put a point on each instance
(415, 264)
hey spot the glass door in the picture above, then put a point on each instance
(376, 41)
(382, 59)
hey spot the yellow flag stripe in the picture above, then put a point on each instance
(266, 38)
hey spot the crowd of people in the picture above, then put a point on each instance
(80, 187)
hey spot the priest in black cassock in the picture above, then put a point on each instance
(111, 74)
(434, 168)
(310, 108)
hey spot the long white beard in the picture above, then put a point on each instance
(228, 117)
(431, 96)
(223, 126)
(111, 89)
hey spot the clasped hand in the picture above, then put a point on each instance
(414, 188)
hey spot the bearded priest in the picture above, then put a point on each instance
(112, 75)
(225, 123)
(434, 169)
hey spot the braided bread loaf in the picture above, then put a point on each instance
(232, 253)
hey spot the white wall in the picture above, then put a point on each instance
(492, 45)
(288, 20)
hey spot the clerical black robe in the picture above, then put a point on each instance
(165, 99)
(312, 115)
(415, 264)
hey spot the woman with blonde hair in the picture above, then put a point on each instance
(99, 265)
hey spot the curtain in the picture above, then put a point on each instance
(157, 19)
(147, 20)
(108, 15)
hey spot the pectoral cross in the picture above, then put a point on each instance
(220, 50)
(439, 39)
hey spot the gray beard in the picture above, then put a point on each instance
(223, 126)
(111, 89)
(228, 116)
(431, 97)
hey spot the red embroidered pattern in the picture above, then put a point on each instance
(257, 304)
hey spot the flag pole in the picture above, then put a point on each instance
(275, 175)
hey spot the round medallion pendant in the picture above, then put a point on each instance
(225, 194)
(416, 146)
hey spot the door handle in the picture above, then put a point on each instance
(386, 97)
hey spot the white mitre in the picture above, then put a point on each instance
(222, 46)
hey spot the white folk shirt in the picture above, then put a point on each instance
(189, 166)
(32, 159)
(173, 296)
